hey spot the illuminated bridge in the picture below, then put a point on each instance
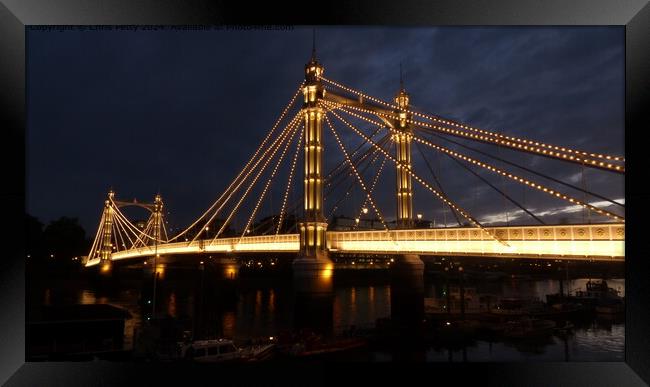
(388, 132)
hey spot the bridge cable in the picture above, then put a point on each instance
(275, 147)
(528, 170)
(497, 189)
(96, 240)
(253, 158)
(332, 186)
(359, 178)
(290, 179)
(428, 186)
(373, 185)
(352, 184)
(498, 136)
(129, 225)
(418, 146)
(501, 172)
(270, 180)
(465, 146)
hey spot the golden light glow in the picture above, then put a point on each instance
(160, 271)
(327, 272)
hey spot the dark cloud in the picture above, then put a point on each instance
(181, 112)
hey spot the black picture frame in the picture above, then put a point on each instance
(15, 15)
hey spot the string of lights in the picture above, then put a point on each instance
(129, 226)
(269, 181)
(276, 146)
(435, 178)
(343, 164)
(375, 155)
(250, 171)
(433, 133)
(505, 173)
(290, 179)
(495, 188)
(95, 241)
(363, 209)
(524, 148)
(251, 160)
(363, 185)
(121, 237)
(519, 179)
(505, 140)
(447, 201)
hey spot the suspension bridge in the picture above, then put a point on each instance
(387, 131)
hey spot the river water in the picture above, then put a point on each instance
(240, 308)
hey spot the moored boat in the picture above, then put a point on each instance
(595, 293)
(210, 351)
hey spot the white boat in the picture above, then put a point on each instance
(219, 350)
(209, 351)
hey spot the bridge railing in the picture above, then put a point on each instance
(603, 241)
(259, 243)
(574, 241)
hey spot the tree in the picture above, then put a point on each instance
(65, 238)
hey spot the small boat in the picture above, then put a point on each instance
(210, 351)
(595, 293)
(260, 350)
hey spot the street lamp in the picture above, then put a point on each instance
(419, 216)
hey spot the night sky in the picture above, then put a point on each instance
(180, 112)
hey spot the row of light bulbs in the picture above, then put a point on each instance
(491, 168)
(254, 157)
(274, 149)
(289, 182)
(364, 210)
(268, 182)
(354, 169)
(559, 155)
(248, 173)
(477, 130)
(417, 178)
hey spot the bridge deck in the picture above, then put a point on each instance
(592, 241)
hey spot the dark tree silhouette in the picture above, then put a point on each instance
(65, 238)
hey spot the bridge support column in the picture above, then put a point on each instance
(403, 156)
(407, 272)
(407, 292)
(312, 268)
(106, 250)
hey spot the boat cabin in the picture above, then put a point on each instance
(211, 350)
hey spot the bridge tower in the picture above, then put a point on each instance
(312, 260)
(107, 244)
(403, 156)
(157, 216)
(409, 268)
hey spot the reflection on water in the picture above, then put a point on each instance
(241, 309)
